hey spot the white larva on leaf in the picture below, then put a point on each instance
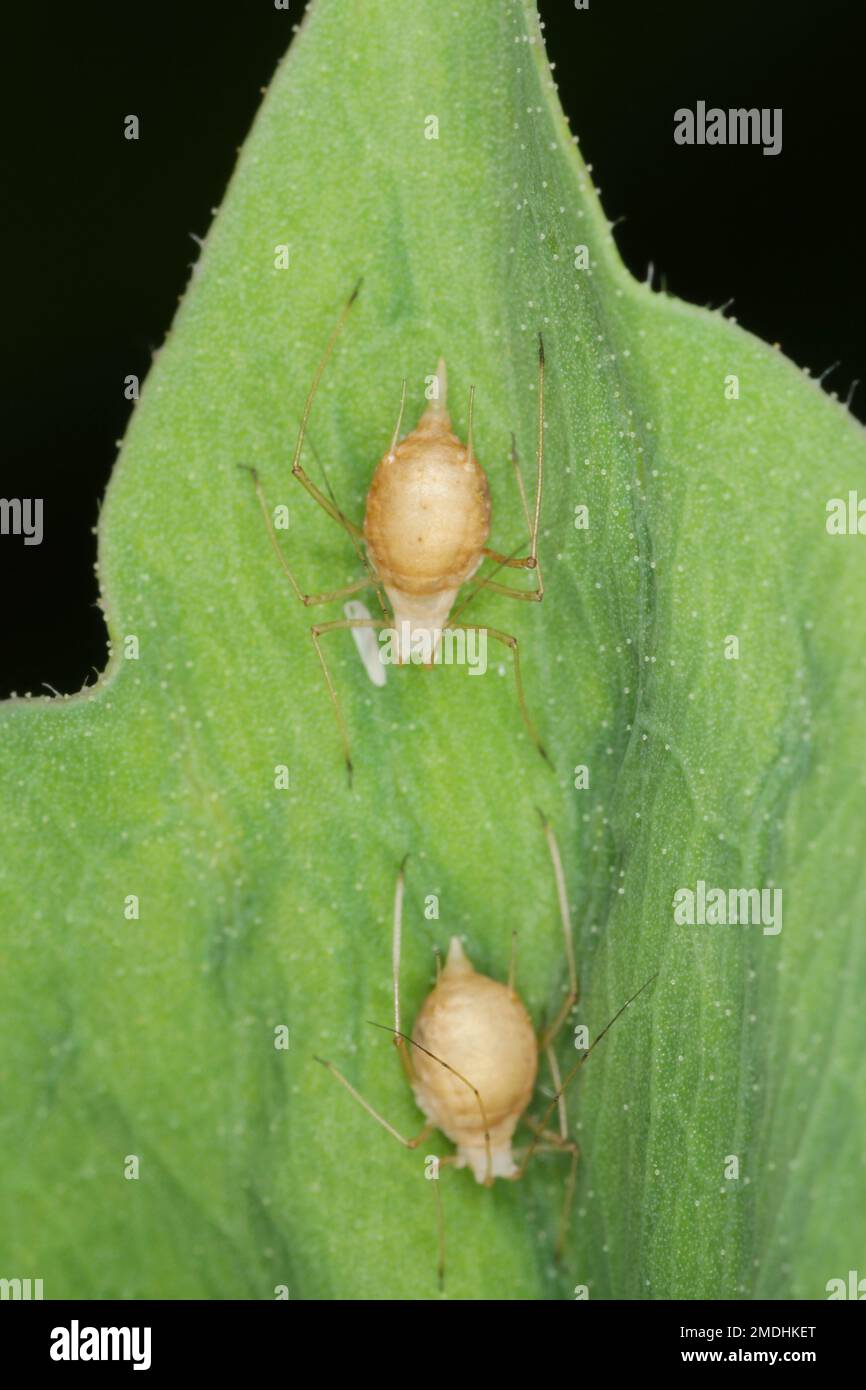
(365, 641)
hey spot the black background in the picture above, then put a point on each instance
(218, 1340)
(221, 1340)
(98, 229)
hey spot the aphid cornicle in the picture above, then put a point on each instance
(472, 1060)
(426, 525)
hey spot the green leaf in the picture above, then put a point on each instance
(262, 907)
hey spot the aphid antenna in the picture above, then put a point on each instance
(365, 1105)
(395, 947)
(317, 375)
(386, 1027)
(297, 467)
(573, 994)
(575, 1069)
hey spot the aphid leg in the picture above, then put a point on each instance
(522, 595)
(573, 994)
(482, 582)
(556, 1077)
(330, 507)
(440, 1233)
(529, 561)
(318, 631)
(560, 1139)
(365, 1105)
(398, 1039)
(508, 641)
(440, 1221)
(573, 1151)
(576, 1068)
(559, 1142)
(539, 452)
(488, 1181)
(356, 543)
(550, 1142)
(515, 463)
(549, 1136)
(567, 1201)
(306, 599)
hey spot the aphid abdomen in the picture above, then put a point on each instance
(482, 1030)
(428, 511)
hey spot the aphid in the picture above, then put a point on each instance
(472, 1061)
(425, 531)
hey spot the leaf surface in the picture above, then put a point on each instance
(262, 907)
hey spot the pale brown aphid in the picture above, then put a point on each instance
(426, 525)
(473, 1061)
(483, 1029)
(427, 519)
